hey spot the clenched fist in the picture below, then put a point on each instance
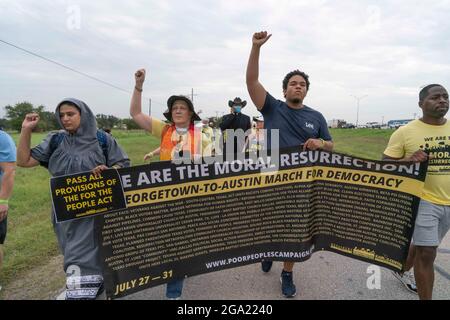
(31, 120)
(259, 38)
(139, 77)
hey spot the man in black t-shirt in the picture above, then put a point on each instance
(234, 121)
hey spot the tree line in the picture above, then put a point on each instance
(15, 115)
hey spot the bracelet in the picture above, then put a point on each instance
(323, 142)
(3, 201)
(140, 90)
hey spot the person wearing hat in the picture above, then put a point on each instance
(179, 138)
(298, 125)
(234, 121)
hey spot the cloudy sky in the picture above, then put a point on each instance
(386, 50)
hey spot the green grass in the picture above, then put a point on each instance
(364, 143)
(31, 242)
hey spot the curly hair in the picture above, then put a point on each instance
(295, 73)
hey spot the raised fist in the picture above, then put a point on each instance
(31, 120)
(259, 38)
(139, 76)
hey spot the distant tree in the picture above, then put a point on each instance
(130, 124)
(5, 124)
(17, 113)
(48, 121)
(106, 121)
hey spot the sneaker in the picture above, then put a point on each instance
(266, 265)
(174, 289)
(408, 280)
(287, 285)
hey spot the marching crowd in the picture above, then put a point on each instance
(79, 146)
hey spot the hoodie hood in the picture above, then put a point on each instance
(81, 151)
(88, 124)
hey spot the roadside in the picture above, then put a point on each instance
(40, 283)
(325, 276)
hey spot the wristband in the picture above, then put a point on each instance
(3, 201)
(140, 90)
(323, 142)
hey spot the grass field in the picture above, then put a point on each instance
(31, 243)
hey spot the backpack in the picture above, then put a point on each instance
(56, 140)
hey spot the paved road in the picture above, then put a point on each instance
(325, 276)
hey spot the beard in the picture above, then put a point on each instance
(439, 113)
(295, 100)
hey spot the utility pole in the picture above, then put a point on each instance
(192, 95)
(357, 106)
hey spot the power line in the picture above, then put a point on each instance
(72, 69)
(64, 66)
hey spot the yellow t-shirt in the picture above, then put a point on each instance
(158, 127)
(435, 140)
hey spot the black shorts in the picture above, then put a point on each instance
(3, 224)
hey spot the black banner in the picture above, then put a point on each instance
(189, 219)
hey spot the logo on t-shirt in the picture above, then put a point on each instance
(309, 125)
(439, 149)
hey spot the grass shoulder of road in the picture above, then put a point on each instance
(364, 143)
(31, 250)
(31, 243)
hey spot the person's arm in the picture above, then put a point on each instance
(328, 146)
(24, 158)
(144, 121)
(150, 155)
(323, 140)
(395, 150)
(255, 89)
(9, 170)
(418, 156)
(318, 144)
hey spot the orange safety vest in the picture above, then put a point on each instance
(169, 141)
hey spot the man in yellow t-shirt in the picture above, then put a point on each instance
(427, 139)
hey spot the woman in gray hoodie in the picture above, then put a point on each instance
(74, 149)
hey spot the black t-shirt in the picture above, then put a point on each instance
(234, 121)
